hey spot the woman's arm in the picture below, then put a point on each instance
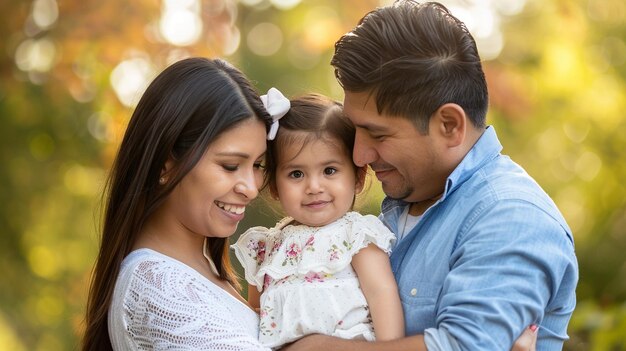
(379, 287)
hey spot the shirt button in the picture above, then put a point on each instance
(413, 292)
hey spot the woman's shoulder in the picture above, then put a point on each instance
(150, 273)
(148, 263)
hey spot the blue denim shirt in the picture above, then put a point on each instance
(492, 256)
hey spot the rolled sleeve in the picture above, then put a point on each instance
(513, 265)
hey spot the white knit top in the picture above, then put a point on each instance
(160, 303)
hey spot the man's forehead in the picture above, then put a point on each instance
(359, 100)
(362, 112)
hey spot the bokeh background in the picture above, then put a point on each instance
(71, 72)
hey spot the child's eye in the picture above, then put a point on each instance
(330, 171)
(230, 168)
(259, 165)
(296, 174)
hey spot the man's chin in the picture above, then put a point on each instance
(396, 194)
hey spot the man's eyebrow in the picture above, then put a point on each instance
(371, 127)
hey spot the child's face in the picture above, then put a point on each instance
(316, 185)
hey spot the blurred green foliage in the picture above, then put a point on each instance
(557, 100)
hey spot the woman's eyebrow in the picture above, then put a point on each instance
(233, 153)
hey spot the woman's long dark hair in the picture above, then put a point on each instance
(183, 110)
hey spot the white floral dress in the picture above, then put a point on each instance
(306, 277)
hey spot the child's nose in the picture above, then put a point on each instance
(314, 186)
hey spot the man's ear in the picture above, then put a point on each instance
(450, 123)
(361, 173)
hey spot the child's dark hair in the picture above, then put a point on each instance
(311, 117)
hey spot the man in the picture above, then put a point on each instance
(482, 250)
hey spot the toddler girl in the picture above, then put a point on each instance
(324, 269)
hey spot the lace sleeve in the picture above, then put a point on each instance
(170, 309)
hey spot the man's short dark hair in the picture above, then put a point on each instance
(413, 58)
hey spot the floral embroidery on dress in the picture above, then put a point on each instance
(314, 277)
(267, 328)
(276, 246)
(334, 251)
(267, 280)
(285, 280)
(308, 246)
(293, 254)
(257, 250)
(348, 245)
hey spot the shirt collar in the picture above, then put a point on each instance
(486, 149)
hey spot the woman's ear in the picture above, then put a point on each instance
(166, 170)
(361, 173)
(450, 123)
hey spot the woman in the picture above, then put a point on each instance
(190, 161)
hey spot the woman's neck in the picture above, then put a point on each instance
(174, 241)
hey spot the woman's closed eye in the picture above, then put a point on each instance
(233, 167)
(230, 167)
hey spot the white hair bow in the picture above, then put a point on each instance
(277, 105)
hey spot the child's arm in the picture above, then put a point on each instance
(373, 268)
(254, 297)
